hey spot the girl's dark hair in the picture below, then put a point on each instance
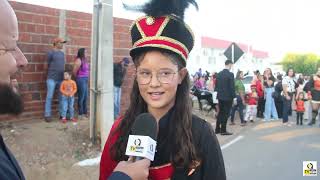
(69, 72)
(81, 53)
(180, 124)
(287, 73)
(279, 77)
(238, 74)
(272, 77)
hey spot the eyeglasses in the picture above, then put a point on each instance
(4, 51)
(164, 76)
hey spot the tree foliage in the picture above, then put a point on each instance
(306, 64)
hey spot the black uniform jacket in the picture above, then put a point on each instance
(207, 146)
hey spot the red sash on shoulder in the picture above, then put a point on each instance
(163, 172)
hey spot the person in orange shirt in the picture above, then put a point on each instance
(300, 107)
(68, 89)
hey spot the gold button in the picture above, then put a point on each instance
(149, 20)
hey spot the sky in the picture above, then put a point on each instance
(275, 26)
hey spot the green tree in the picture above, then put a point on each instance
(306, 64)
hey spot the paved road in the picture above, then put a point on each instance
(272, 151)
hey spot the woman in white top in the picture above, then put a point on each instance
(288, 84)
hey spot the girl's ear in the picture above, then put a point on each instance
(182, 74)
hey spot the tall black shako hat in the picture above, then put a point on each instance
(162, 27)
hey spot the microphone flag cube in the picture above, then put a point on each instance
(141, 146)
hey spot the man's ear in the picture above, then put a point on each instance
(182, 74)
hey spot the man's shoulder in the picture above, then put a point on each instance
(226, 71)
(52, 52)
(221, 72)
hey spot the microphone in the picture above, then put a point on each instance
(142, 142)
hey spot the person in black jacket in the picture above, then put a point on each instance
(226, 93)
(277, 96)
(11, 59)
(119, 71)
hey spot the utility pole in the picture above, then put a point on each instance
(101, 81)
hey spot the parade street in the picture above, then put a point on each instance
(272, 151)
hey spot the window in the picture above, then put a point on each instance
(205, 52)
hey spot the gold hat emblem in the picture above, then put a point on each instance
(149, 20)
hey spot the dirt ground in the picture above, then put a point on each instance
(48, 151)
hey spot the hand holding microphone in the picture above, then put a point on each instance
(138, 170)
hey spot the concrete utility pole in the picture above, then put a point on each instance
(101, 86)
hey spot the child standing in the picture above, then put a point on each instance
(252, 99)
(68, 88)
(300, 107)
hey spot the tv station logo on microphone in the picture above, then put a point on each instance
(141, 146)
(137, 146)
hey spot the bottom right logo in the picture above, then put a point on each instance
(310, 168)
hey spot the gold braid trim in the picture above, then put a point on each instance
(163, 38)
(159, 167)
(163, 47)
(135, 21)
(163, 25)
(140, 30)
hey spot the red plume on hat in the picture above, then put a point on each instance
(162, 27)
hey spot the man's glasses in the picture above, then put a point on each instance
(4, 51)
(164, 76)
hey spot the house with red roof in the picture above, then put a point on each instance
(209, 55)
